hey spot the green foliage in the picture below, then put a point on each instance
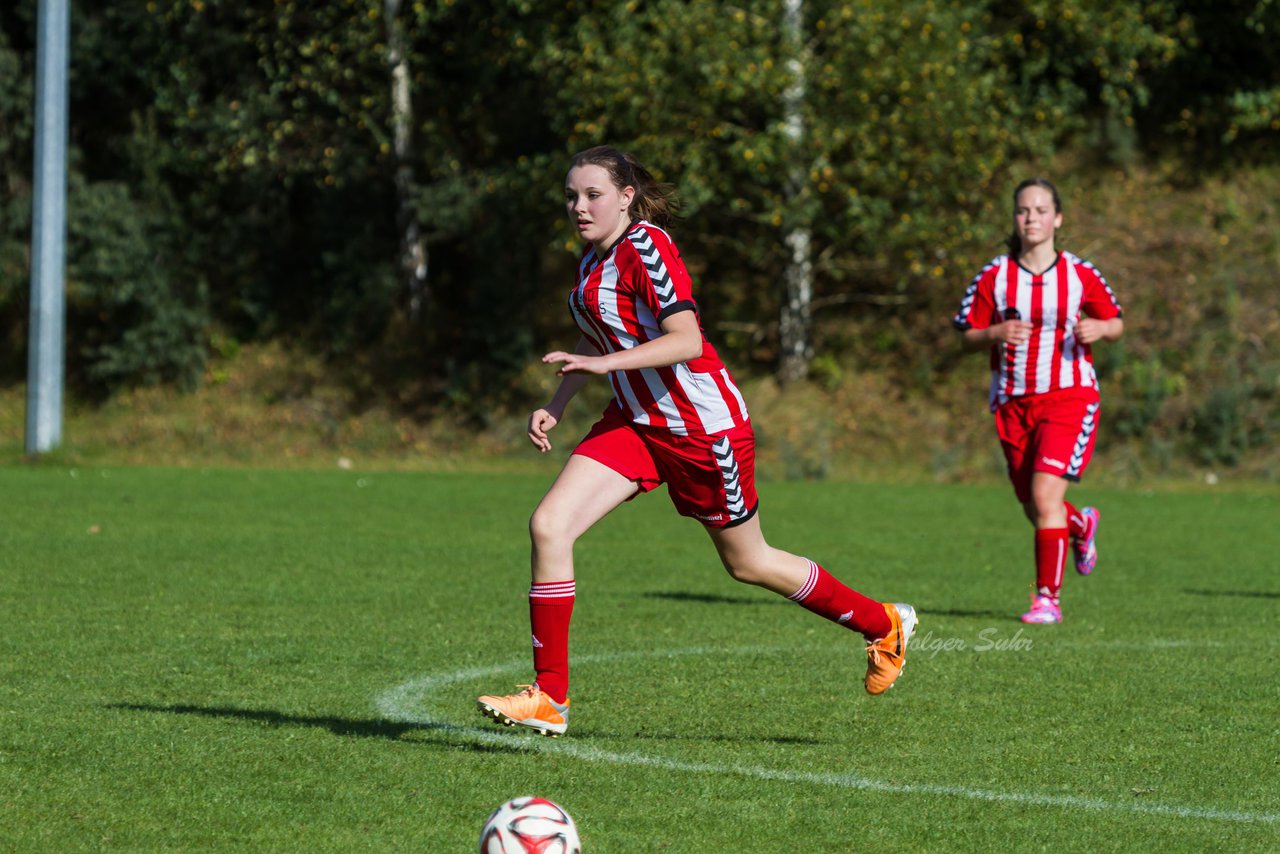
(257, 143)
(127, 323)
(15, 204)
(1144, 388)
(1237, 416)
(1218, 98)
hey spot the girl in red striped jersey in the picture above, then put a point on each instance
(676, 417)
(1039, 311)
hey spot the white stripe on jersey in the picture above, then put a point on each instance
(733, 390)
(1009, 295)
(623, 391)
(662, 398)
(1073, 350)
(609, 298)
(1043, 379)
(705, 396)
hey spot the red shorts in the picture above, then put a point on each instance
(1051, 432)
(711, 478)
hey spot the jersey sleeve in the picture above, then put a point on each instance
(665, 286)
(1099, 301)
(978, 305)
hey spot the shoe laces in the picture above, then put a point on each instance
(875, 651)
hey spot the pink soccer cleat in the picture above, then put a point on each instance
(1043, 610)
(1085, 548)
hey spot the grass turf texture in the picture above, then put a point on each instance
(269, 661)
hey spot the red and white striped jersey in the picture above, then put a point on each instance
(619, 302)
(1052, 302)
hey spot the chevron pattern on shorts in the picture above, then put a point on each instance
(733, 501)
(1087, 427)
(652, 259)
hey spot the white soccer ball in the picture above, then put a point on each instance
(529, 826)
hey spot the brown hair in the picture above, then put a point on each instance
(1013, 241)
(655, 202)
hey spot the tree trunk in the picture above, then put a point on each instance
(795, 322)
(413, 248)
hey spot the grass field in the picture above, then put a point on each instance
(250, 660)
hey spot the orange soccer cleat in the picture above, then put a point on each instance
(530, 708)
(887, 656)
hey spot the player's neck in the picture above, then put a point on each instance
(1039, 258)
(604, 247)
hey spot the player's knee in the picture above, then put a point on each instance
(1047, 509)
(547, 529)
(742, 570)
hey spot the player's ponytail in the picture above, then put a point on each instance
(1013, 241)
(654, 201)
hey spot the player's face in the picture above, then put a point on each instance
(1035, 218)
(596, 207)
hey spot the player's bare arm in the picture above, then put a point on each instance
(681, 341)
(543, 420)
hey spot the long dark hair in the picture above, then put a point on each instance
(1013, 241)
(654, 201)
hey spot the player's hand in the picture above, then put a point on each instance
(575, 363)
(1012, 332)
(540, 423)
(1089, 330)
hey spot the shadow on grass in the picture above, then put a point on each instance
(395, 731)
(392, 730)
(1251, 594)
(1003, 616)
(713, 598)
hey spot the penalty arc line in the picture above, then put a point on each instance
(400, 704)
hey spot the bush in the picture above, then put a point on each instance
(128, 323)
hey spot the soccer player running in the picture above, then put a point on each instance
(1038, 311)
(676, 417)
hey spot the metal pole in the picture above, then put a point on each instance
(45, 358)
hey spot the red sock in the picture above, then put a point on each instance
(1051, 557)
(825, 596)
(550, 609)
(1076, 525)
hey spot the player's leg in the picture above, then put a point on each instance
(1079, 419)
(1082, 530)
(748, 558)
(886, 626)
(586, 490)
(1048, 511)
(1065, 430)
(1016, 441)
(715, 483)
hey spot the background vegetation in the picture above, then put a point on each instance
(241, 196)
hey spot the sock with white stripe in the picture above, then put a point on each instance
(825, 596)
(550, 610)
(1051, 557)
(1077, 525)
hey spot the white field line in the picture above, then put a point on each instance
(404, 704)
